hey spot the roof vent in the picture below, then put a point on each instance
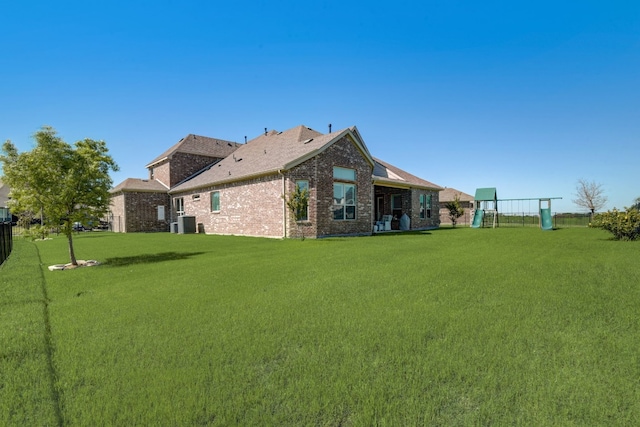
(307, 141)
(265, 131)
(245, 139)
(329, 127)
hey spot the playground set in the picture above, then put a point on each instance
(487, 208)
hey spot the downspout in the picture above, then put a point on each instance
(284, 205)
(373, 204)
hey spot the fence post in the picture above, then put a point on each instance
(6, 241)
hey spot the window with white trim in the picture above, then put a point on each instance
(344, 194)
(179, 205)
(344, 174)
(344, 201)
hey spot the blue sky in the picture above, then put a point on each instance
(527, 97)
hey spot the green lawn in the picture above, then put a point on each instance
(449, 327)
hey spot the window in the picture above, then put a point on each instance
(179, 206)
(344, 174)
(344, 194)
(161, 213)
(344, 201)
(215, 201)
(303, 185)
(425, 206)
(396, 205)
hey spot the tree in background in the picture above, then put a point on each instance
(297, 203)
(590, 195)
(636, 204)
(455, 209)
(62, 183)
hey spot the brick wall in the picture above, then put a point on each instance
(344, 154)
(161, 172)
(248, 208)
(179, 167)
(138, 212)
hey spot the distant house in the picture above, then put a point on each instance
(4, 205)
(242, 191)
(466, 201)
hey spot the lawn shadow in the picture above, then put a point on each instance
(403, 233)
(149, 258)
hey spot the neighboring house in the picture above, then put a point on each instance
(349, 190)
(4, 205)
(466, 201)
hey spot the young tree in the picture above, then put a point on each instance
(590, 195)
(297, 203)
(455, 210)
(64, 184)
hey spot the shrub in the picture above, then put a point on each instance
(624, 225)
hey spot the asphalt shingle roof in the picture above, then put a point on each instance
(137, 184)
(201, 145)
(385, 173)
(264, 155)
(448, 194)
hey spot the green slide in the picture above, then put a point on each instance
(545, 218)
(477, 218)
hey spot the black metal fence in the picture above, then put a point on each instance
(524, 219)
(6, 241)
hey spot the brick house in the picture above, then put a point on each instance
(242, 192)
(466, 201)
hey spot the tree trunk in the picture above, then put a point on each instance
(72, 254)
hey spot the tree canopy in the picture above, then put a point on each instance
(455, 209)
(590, 195)
(62, 183)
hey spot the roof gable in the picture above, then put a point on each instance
(199, 145)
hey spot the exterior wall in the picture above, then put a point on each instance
(117, 216)
(179, 167)
(428, 222)
(161, 172)
(248, 208)
(138, 212)
(184, 165)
